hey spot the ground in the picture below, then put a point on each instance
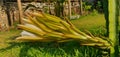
(94, 24)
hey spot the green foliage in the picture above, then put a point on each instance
(34, 49)
(95, 12)
(99, 6)
(61, 1)
(96, 4)
(86, 6)
(69, 49)
(98, 31)
(38, 49)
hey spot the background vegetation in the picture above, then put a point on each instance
(90, 18)
(69, 49)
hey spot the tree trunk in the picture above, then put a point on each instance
(11, 17)
(49, 10)
(69, 8)
(113, 27)
(62, 10)
(20, 11)
(8, 14)
(1, 2)
(65, 11)
(57, 8)
(81, 9)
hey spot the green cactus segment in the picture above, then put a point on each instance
(113, 27)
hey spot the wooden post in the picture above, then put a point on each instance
(81, 10)
(113, 27)
(69, 8)
(20, 11)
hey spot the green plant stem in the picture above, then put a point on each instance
(113, 23)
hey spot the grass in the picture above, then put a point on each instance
(89, 21)
(6, 36)
(95, 24)
(48, 50)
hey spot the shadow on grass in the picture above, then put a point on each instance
(38, 49)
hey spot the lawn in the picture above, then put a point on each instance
(88, 22)
(94, 24)
(7, 36)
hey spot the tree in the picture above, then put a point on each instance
(113, 27)
(59, 8)
(20, 10)
(81, 9)
(1, 2)
(69, 8)
(7, 10)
